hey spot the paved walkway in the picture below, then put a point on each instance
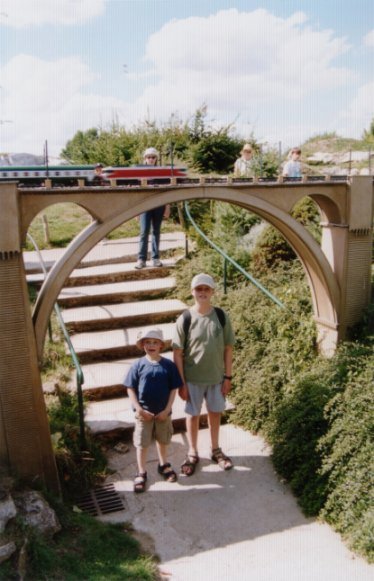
(226, 526)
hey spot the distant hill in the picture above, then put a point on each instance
(10, 159)
(330, 154)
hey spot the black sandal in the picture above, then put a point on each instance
(139, 482)
(189, 465)
(222, 460)
(167, 472)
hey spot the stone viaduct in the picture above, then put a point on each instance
(338, 271)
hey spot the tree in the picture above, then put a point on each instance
(368, 134)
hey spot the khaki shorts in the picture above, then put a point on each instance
(146, 432)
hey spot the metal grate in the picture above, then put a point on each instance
(101, 500)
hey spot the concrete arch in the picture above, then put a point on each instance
(324, 287)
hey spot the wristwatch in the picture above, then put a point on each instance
(227, 377)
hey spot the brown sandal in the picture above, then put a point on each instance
(139, 482)
(189, 465)
(167, 472)
(221, 459)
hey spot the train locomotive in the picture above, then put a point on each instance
(73, 175)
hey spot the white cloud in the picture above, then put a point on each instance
(360, 112)
(23, 13)
(53, 104)
(240, 62)
(369, 38)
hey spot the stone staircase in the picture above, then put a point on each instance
(105, 304)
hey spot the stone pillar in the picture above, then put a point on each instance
(348, 248)
(356, 289)
(25, 442)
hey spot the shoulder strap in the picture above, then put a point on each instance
(186, 325)
(221, 316)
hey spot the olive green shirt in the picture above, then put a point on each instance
(204, 355)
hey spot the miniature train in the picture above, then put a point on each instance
(65, 175)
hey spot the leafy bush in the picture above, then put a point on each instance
(271, 249)
(347, 451)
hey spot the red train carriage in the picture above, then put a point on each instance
(153, 174)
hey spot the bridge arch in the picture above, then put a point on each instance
(324, 288)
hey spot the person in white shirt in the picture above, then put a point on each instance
(244, 167)
(292, 168)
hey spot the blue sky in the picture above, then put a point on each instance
(284, 70)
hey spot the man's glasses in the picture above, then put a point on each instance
(151, 157)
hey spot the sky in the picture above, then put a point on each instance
(281, 70)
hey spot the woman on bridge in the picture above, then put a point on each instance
(151, 218)
(244, 165)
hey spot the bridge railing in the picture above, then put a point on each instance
(78, 368)
(227, 259)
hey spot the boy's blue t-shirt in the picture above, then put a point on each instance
(153, 382)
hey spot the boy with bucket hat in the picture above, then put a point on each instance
(203, 343)
(152, 382)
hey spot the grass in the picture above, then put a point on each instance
(85, 548)
(66, 220)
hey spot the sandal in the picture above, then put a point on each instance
(167, 472)
(139, 482)
(189, 465)
(222, 460)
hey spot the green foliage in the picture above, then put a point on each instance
(87, 549)
(297, 425)
(347, 450)
(368, 135)
(271, 249)
(78, 469)
(266, 163)
(306, 212)
(216, 151)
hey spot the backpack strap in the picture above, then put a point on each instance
(186, 325)
(187, 322)
(221, 316)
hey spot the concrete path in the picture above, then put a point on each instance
(227, 526)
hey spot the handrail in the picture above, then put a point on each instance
(79, 372)
(232, 261)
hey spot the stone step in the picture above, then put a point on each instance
(105, 252)
(108, 273)
(114, 344)
(105, 379)
(116, 292)
(122, 315)
(114, 418)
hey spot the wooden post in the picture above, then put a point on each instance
(46, 229)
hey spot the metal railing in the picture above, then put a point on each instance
(232, 261)
(78, 369)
